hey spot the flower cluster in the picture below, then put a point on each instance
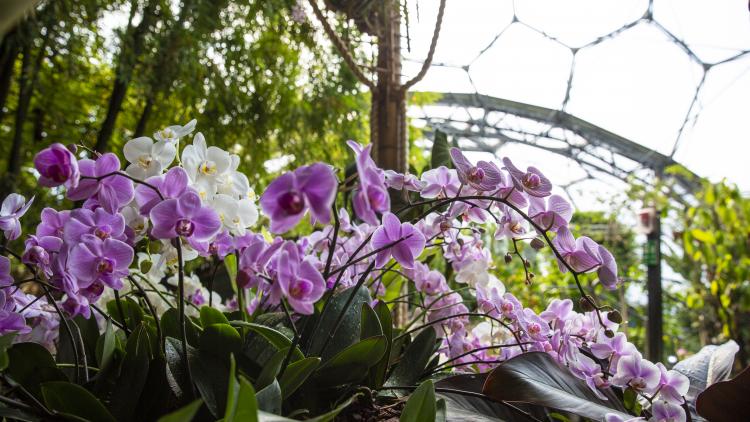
(143, 223)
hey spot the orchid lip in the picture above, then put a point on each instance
(184, 227)
(292, 202)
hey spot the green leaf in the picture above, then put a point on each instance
(71, 399)
(106, 346)
(12, 414)
(276, 338)
(421, 405)
(170, 326)
(220, 340)
(329, 416)
(296, 374)
(269, 398)
(211, 315)
(379, 371)
(5, 342)
(703, 236)
(133, 374)
(30, 365)
(441, 413)
(131, 311)
(440, 151)
(241, 403)
(352, 364)
(348, 331)
(271, 369)
(370, 324)
(176, 371)
(230, 262)
(183, 414)
(414, 360)
(536, 378)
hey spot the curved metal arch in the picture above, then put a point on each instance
(595, 149)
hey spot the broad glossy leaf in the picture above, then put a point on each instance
(183, 414)
(414, 360)
(170, 326)
(72, 399)
(5, 342)
(535, 377)
(241, 403)
(348, 331)
(176, 372)
(269, 372)
(269, 398)
(276, 338)
(464, 401)
(17, 415)
(131, 314)
(133, 374)
(296, 374)
(211, 315)
(351, 364)
(31, 365)
(370, 324)
(329, 416)
(710, 365)
(440, 151)
(726, 401)
(106, 346)
(379, 371)
(220, 340)
(421, 406)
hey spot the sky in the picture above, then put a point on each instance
(638, 84)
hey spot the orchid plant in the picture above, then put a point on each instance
(391, 289)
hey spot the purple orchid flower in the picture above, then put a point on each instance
(402, 181)
(440, 182)
(5, 278)
(557, 310)
(287, 198)
(98, 222)
(553, 214)
(586, 369)
(254, 259)
(662, 411)
(52, 223)
(105, 260)
(57, 166)
(673, 386)
(406, 241)
(576, 252)
(613, 348)
(614, 417)
(636, 372)
(184, 217)
(607, 271)
(532, 181)
(534, 326)
(371, 196)
(11, 321)
(484, 176)
(38, 250)
(111, 192)
(13, 208)
(298, 280)
(171, 185)
(511, 224)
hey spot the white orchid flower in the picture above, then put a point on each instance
(172, 134)
(148, 158)
(204, 163)
(235, 215)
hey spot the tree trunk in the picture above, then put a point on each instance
(145, 115)
(135, 38)
(8, 55)
(24, 99)
(388, 114)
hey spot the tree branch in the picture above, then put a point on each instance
(340, 46)
(431, 53)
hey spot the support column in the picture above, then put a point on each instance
(655, 309)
